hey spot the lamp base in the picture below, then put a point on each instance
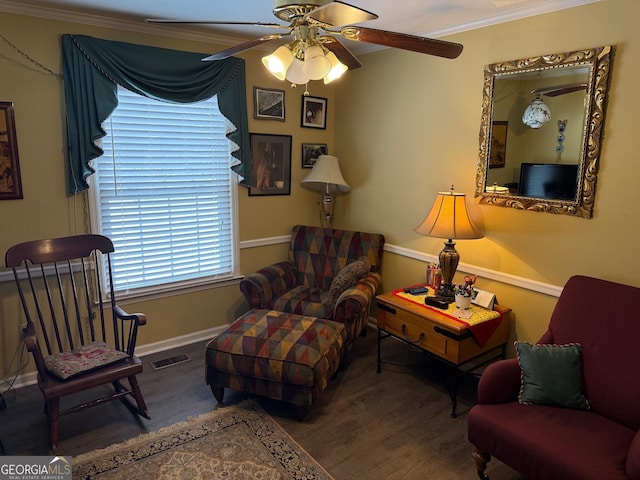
(449, 259)
(328, 201)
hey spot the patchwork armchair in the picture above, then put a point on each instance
(567, 407)
(316, 281)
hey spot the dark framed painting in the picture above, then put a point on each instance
(314, 112)
(10, 181)
(270, 164)
(498, 153)
(311, 152)
(268, 104)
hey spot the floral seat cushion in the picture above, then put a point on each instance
(82, 360)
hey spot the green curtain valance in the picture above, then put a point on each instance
(94, 67)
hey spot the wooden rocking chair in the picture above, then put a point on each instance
(61, 293)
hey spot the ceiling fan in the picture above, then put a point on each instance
(557, 90)
(316, 52)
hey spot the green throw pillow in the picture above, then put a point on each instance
(551, 375)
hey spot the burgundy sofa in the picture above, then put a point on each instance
(552, 442)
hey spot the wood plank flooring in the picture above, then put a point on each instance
(365, 425)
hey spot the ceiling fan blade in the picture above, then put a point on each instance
(558, 90)
(339, 13)
(403, 41)
(211, 22)
(343, 53)
(229, 52)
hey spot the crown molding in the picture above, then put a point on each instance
(511, 15)
(115, 23)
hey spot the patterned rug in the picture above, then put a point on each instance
(233, 442)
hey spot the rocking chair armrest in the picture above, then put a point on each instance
(140, 318)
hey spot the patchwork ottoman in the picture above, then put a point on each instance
(279, 355)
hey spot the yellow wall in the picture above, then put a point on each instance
(419, 135)
(404, 126)
(47, 211)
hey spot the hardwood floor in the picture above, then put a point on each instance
(365, 425)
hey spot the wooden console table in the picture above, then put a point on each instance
(445, 339)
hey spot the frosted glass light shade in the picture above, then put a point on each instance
(316, 65)
(537, 114)
(295, 73)
(278, 62)
(337, 68)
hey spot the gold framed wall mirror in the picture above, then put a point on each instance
(550, 163)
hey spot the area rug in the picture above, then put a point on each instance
(232, 442)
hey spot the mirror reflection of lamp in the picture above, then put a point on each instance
(537, 114)
(326, 177)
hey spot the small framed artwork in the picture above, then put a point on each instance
(268, 104)
(498, 152)
(311, 152)
(314, 112)
(270, 164)
(10, 182)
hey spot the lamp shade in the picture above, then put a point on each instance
(449, 218)
(326, 175)
(536, 114)
(337, 68)
(278, 62)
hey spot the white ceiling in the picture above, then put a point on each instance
(430, 18)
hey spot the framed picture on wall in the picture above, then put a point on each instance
(268, 104)
(10, 182)
(270, 164)
(498, 153)
(311, 152)
(314, 112)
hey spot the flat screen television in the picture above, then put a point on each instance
(553, 181)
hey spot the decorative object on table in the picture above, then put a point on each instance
(10, 181)
(311, 152)
(464, 293)
(432, 270)
(314, 112)
(562, 126)
(498, 152)
(270, 164)
(449, 219)
(326, 177)
(484, 299)
(315, 51)
(236, 441)
(268, 104)
(537, 114)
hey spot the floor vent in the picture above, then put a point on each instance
(169, 362)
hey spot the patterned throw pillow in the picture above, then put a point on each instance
(82, 360)
(551, 375)
(348, 277)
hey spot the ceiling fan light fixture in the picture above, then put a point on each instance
(296, 74)
(278, 62)
(316, 65)
(537, 114)
(337, 68)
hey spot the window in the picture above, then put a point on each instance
(165, 194)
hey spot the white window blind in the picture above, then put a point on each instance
(164, 193)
